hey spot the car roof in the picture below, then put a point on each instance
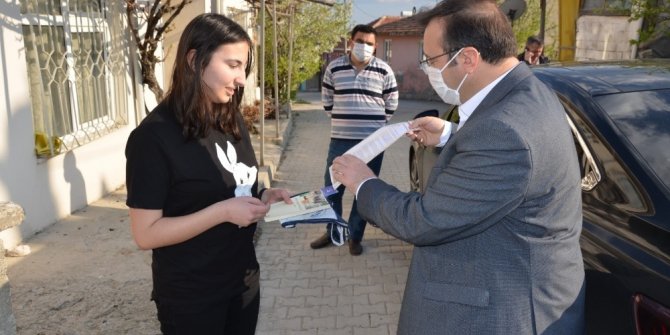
(607, 77)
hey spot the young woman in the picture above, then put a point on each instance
(191, 179)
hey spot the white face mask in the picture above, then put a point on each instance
(448, 95)
(362, 51)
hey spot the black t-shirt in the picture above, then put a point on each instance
(166, 171)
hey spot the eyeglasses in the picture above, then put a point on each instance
(429, 61)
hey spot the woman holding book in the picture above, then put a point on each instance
(191, 179)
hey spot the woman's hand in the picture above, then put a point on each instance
(244, 211)
(426, 130)
(272, 195)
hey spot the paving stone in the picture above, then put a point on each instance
(353, 321)
(314, 323)
(383, 330)
(303, 292)
(340, 331)
(303, 311)
(379, 308)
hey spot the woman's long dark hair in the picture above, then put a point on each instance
(187, 95)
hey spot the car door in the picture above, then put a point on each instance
(618, 244)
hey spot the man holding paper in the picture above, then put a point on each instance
(360, 94)
(496, 231)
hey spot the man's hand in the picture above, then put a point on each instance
(351, 171)
(532, 58)
(426, 130)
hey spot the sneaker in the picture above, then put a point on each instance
(321, 242)
(355, 247)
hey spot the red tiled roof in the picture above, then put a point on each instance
(384, 20)
(406, 26)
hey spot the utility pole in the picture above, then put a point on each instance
(261, 62)
(543, 14)
(290, 59)
(276, 64)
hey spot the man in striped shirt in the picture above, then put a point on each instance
(360, 94)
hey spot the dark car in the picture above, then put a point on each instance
(620, 118)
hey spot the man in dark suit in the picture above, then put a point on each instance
(496, 231)
(533, 53)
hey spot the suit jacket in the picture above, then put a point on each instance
(496, 232)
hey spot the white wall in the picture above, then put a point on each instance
(171, 40)
(47, 189)
(605, 37)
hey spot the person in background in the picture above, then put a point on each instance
(191, 178)
(496, 231)
(360, 94)
(534, 52)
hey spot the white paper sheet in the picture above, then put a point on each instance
(374, 144)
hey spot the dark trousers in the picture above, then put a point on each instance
(356, 223)
(236, 316)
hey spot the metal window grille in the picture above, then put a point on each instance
(421, 55)
(387, 51)
(75, 52)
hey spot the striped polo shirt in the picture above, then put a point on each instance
(358, 103)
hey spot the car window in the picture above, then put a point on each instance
(644, 119)
(596, 159)
(589, 169)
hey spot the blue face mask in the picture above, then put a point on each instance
(448, 95)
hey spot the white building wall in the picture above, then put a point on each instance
(605, 37)
(47, 189)
(171, 40)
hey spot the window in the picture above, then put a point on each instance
(387, 51)
(604, 177)
(76, 68)
(641, 117)
(606, 7)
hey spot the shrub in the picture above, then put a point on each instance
(251, 114)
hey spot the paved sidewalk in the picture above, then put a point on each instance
(86, 276)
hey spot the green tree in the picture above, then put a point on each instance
(656, 19)
(529, 24)
(316, 29)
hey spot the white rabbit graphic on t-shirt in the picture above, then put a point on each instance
(245, 176)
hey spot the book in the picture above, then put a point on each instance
(303, 203)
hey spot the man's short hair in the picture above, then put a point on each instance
(534, 40)
(363, 28)
(476, 23)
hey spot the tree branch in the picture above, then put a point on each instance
(159, 32)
